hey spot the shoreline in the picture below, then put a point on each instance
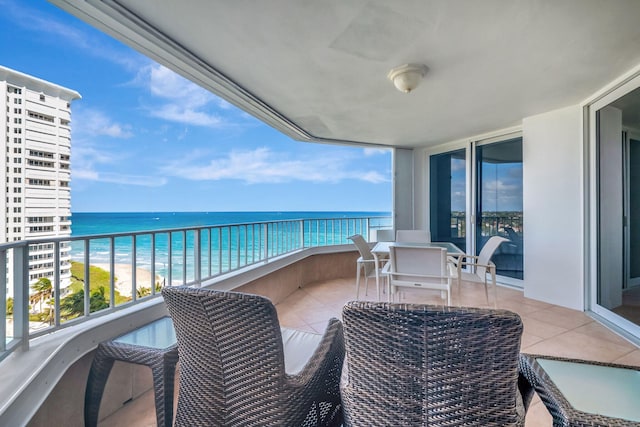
(123, 276)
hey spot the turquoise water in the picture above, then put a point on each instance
(227, 249)
(85, 223)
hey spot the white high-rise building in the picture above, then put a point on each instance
(36, 169)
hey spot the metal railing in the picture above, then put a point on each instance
(81, 289)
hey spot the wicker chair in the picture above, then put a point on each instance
(235, 369)
(412, 365)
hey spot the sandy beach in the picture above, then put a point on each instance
(124, 274)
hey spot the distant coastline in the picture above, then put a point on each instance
(98, 223)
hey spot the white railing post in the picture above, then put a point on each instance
(21, 295)
(197, 261)
(3, 299)
(266, 241)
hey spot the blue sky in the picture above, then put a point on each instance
(145, 139)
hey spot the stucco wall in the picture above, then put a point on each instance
(554, 207)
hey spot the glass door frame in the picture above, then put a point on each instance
(629, 134)
(469, 145)
(592, 203)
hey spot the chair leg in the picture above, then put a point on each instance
(495, 288)
(486, 290)
(358, 283)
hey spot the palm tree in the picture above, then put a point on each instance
(43, 290)
(73, 305)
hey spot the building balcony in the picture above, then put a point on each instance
(548, 329)
(308, 282)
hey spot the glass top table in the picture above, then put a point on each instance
(580, 392)
(153, 345)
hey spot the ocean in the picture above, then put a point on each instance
(96, 223)
(89, 223)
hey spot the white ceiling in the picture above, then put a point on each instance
(316, 69)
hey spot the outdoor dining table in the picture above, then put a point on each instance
(381, 251)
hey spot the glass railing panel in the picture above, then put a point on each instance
(95, 274)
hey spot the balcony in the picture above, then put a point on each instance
(549, 330)
(305, 267)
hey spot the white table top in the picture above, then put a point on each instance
(383, 247)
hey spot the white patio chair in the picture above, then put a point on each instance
(481, 266)
(385, 235)
(366, 264)
(413, 236)
(418, 267)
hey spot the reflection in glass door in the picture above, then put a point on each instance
(447, 190)
(499, 203)
(633, 214)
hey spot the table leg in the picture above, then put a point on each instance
(98, 375)
(377, 267)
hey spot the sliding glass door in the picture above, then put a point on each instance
(471, 200)
(498, 204)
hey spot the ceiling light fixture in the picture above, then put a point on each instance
(407, 77)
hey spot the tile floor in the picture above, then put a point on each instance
(548, 329)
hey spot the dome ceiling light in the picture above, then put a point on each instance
(407, 77)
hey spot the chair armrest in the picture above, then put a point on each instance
(463, 257)
(475, 264)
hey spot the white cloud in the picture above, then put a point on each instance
(89, 163)
(38, 21)
(368, 152)
(96, 123)
(182, 101)
(265, 166)
(116, 178)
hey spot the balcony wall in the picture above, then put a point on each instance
(64, 405)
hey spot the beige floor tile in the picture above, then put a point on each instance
(538, 416)
(596, 330)
(541, 329)
(529, 339)
(548, 329)
(632, 358)
(566, 317)
(580, 346)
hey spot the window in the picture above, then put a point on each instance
(40, 182)
(41, 97)
(39, 116)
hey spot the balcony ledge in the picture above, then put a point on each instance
(28, 377)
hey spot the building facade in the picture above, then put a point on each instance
(36, 169)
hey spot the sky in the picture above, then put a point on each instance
(146, 139)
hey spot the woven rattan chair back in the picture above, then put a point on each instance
(418, 365)
(232, 370)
